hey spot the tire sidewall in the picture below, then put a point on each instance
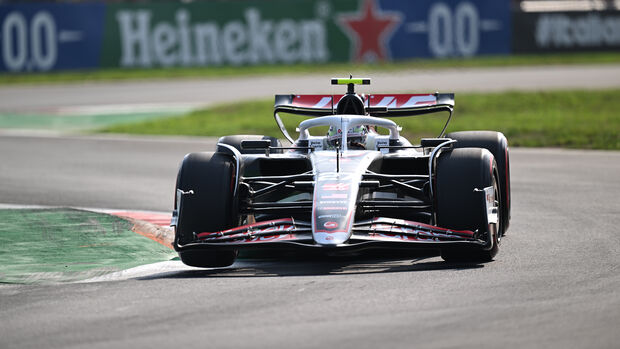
(497, 144)
(212, 206)
(457, 205)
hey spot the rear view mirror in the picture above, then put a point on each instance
(258, 144)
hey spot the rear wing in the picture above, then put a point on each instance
(383, 105)
(379, 105)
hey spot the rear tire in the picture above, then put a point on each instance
(459, 207)
(212, 206)
(497, 144)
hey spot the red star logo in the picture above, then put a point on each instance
(370, 29)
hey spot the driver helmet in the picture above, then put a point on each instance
(356, 137)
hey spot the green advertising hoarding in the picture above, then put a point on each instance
(224, 33)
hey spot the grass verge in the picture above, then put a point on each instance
(570, 119)
(335, 68)
(61, 245)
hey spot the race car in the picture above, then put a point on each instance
(352, 184)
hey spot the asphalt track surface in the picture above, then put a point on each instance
(158, 94)
(554, 284)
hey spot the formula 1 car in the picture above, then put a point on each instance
(360, 186)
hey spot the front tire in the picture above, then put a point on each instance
(497, 144)
(458, 206)
(211, 207)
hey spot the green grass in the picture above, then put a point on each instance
(61, 245)
(570, 119)
(334, 68)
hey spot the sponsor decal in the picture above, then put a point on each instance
(335, 196)
(317, 144)
(330, 225)
(335, 208)
(330, 216)
(335, 186)
(328, 202)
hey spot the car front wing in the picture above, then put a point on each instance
(288, 233)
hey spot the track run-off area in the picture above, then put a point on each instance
(555, 282)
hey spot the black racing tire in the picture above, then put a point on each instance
(497, 144)
(212, 206)
(458, 173)
(235, 141)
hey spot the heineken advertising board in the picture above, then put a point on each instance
(220, 33)
(241, 32)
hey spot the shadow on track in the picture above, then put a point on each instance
(313, 265)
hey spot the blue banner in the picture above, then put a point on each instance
(448, 28)
(41, 37)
